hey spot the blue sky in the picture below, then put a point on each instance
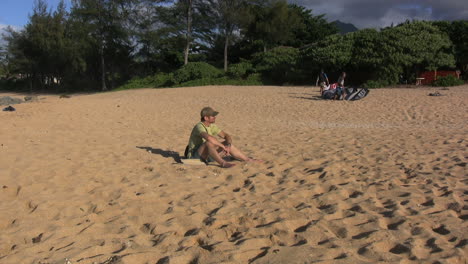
(361, 13)
(15, 12)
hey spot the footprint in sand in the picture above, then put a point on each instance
(305, 227)
(37, 239)
(441, 230)
(33, 206)
(205, 245)
(355, 194)
(262, 254)
(400, 249)
(363, 234)
(148, 228)
(341, 256)
(430, 243)
(235, 236)
(302, 206)
(163, 260)
(328, 208)
(159, 238)
(394, 226)
(300, 242)
(192, 232)
(461, 244)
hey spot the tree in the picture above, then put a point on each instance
(272, 22)
(366, 49)
(157, 31)
(3, 62)
(278, 64)
(309, 28)
(100, 25)
(366, 55)
(39, 51)
(227, 18)
(188, 34)
(414, 45)
(333, 52)
(458, 34)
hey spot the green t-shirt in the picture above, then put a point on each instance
(196, 140)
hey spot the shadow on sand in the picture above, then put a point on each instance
(312, 97)
(164, 153)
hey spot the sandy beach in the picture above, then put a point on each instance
(95, 178)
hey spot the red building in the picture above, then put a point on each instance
(430, 76)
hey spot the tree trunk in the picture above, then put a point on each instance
(31, 82)
(103, 67)
(226, 45)
(188, 35)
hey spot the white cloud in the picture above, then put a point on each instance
(382, 13)
(3, 31)
(3, 28)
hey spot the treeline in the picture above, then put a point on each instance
(105, 44)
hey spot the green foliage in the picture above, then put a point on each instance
(13, 85)
(41, 48)
(410, 45)
(108, 42)
(333, 52)
(309, 28)
(448, 80)
(458, 34)
(277, 23)
(158, 80)
(366, 49)
(165, 80)
(376, 84)
(194, 71)
(278, 64)
(253, 79)
(135, 83)
(240, 70)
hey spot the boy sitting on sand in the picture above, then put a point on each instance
(203, 143)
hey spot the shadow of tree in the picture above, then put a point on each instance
(164, 153)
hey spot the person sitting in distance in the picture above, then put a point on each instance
(204, 145)
(322, 79)
(340, 90)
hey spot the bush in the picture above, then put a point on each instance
(376, 84)
(13, 85)
(240, 70)
(202, 82)
(448, 80)
(279, 64)
(157, 80)
(163, 80)
(136, 83)
(194, 71)
(253, 79)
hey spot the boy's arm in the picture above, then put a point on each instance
(211, 139)
(226, 137)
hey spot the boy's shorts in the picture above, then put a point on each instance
(196, 155)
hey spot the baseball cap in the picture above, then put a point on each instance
(208, 111)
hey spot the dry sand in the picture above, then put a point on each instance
(94, 178)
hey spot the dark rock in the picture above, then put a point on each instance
(9, 109)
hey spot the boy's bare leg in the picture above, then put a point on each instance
(210, 150)
(237, 154)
